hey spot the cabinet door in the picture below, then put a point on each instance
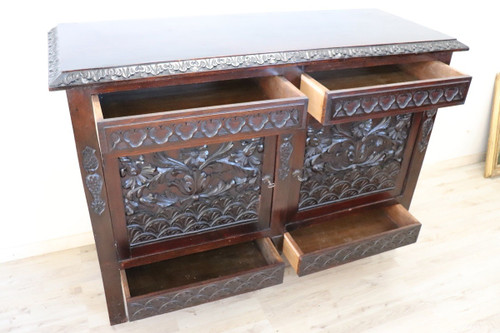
(354, 163)
(192, 193)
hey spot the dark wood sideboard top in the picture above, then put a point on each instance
(99, 52)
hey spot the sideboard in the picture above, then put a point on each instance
(208, 145)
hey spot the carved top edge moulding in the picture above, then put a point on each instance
(128, 50)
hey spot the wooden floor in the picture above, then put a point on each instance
(449, 281)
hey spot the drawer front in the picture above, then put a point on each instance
(349, 160)
(341, 106)
(411, 88)
(351, 237)
(146, 132)
(249, 278)
(135, 122)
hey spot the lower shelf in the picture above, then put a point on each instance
(349, 237)
(201, 277)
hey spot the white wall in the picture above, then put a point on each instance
(43, 197)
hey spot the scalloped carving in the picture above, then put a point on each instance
(395, 100)
(153, 134)
(135, 137)
(318, 262)
(159, 135)
(175, 300)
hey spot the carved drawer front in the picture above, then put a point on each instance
(201, 277)
(152, 118)
(340, 239)
(350, 160)
(344, 95)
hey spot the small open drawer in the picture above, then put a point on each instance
(339, 95)
(201, 277)
(352, 236)
(131, 120)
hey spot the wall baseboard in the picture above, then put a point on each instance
(45, 246)
(453, 163)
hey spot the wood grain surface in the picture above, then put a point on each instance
(118, 43)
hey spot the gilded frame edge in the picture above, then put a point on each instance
(492, 165)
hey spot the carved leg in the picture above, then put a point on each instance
(89, 155)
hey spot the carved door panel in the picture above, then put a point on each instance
(354, 160)
(216, 190)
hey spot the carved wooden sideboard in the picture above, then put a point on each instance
(207, 145)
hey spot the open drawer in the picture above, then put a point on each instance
(351, 236)
(132, 120)
(201, 277)
(339, 95)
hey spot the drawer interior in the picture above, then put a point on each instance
(200, 267)
(346, 229)
(383, 75)
(341, 238)
(181, 97)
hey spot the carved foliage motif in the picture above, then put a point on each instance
(202, 129)
(426, 130)
(93, 180)
(79, 77)
(176, 300)
(286, 149)
(315, 263)
(195, 189)
(348, 160)
(398, 100)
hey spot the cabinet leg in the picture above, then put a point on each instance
(90, 160)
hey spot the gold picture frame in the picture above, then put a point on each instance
(492, 167)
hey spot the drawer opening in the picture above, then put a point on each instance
(383, 75)
(185, 271)
(342, 230)
(350, 236)
(340, 95)
(190, 96)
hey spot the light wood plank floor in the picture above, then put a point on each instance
(449, 281)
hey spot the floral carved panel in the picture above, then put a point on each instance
(175, 193)
(348, 160)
